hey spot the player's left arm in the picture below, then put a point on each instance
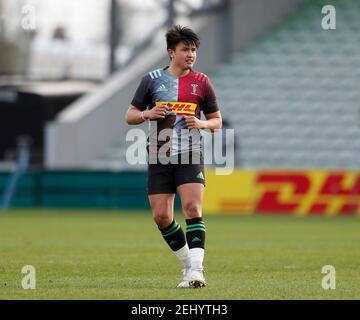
(210, 109)
(213, 121)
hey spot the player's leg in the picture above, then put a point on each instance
(191, 195)
(162, 209)
(161, 189)
(163, 213)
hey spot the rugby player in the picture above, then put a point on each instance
(172, 98)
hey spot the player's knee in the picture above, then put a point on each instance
(192, 210)
(162, 219)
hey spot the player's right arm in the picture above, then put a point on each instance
(135, 115)
(137, 112)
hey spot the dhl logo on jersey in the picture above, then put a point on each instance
(180, 108)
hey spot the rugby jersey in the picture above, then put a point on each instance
(186, 95)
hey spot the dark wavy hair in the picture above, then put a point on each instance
(179, 34)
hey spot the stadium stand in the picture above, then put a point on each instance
(293, 96)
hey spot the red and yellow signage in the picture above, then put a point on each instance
(284, 192)
(180, 108)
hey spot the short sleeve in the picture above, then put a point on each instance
(210, 104)
(142, 97)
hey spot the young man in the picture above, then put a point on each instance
(172, 99)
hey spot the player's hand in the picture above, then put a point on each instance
(157, 112)
(193, 122)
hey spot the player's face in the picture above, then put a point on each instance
(184, 55)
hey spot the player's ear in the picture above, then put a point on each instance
(171, 53)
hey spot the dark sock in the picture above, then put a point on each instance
(174, 236)
(195, 233)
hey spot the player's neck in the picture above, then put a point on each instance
(177, 72)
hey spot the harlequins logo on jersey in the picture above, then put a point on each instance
(194, 87)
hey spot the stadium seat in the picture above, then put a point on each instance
(293, 96)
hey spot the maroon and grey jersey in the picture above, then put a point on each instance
(187, 95)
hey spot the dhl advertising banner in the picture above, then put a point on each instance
(283, 192)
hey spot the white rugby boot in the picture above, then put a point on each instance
(197, 279)
(186, 278)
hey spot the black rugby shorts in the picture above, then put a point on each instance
(165, 178)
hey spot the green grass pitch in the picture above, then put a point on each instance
(121, 255)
